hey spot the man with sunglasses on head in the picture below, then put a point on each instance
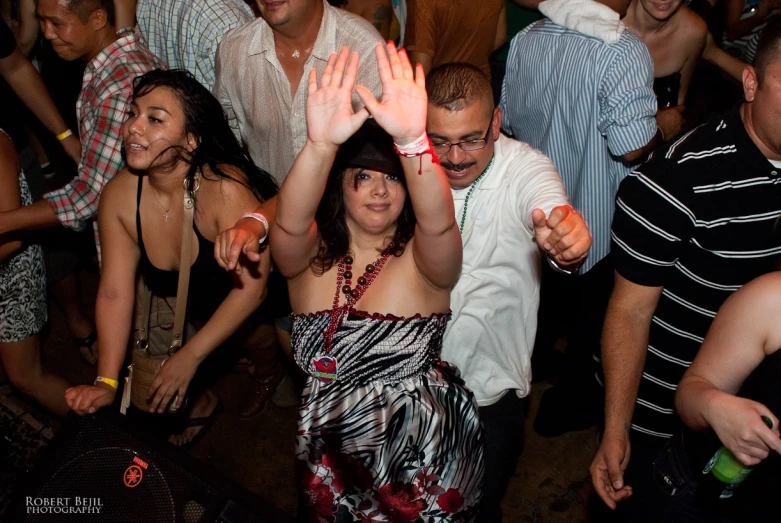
(512, 210)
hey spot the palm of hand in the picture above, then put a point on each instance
(403, 108)
(329, 115)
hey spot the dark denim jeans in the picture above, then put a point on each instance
(503, 424)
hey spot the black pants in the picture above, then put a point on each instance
(581, 301)
(591, 293)
(663, 484)
(503, 423)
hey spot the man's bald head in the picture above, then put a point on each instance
(768, 49)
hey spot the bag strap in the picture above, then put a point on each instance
(184, 268)
(146, 308)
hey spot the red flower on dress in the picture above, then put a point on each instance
(349, 473)
(317, 496)
(451, 501)
(400, 502)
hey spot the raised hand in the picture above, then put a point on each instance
(330, 119)
(402, 111)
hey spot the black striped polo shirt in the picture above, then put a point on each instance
(699, 219)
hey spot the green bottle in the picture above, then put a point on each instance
(726, 468)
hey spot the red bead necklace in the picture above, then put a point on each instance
(325, 366)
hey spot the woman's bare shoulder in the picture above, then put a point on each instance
(762, 292)
(231, 188)
(692, 27)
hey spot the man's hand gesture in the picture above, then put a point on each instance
(563, 235)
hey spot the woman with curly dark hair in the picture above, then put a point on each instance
(371, 251)
(176, 140)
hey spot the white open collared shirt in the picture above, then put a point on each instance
(491, 334)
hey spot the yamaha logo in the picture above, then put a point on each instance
(133, 476)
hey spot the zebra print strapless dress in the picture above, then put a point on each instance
(396, 437)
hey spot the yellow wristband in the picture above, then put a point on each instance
(64, 134)
(108, 381)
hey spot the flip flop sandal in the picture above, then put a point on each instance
(85, 347)
(204, 422)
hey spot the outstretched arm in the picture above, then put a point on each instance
(114, 303)
(330, 122)
(20, 74)
(723, 60)
(402, 114)
(244, 238)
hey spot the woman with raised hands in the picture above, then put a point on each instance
(369, 244)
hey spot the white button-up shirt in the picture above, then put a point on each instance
(491, 335)
(255, 92)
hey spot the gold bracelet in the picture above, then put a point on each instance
(64, 134)
(660, 132)
(108, 381)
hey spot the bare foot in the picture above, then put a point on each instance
(203, 408)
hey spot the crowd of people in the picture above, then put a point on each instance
(382, 234)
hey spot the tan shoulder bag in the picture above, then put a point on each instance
(147, 363)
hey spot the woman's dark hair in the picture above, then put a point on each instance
(205, 119)
(369, 148)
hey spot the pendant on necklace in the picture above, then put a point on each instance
(296, 54)
(325, 368)
(166, 216)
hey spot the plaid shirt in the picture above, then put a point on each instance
(185, 33)
(102, 107)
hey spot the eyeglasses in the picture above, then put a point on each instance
(466, 145)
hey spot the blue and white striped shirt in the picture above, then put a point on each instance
(185, 33)
(584, 103)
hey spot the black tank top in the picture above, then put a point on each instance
(209, 283)
(757, 496)
(667, 89)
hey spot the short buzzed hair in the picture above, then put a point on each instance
(768, 49)
(84, 8)
(457, 86)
